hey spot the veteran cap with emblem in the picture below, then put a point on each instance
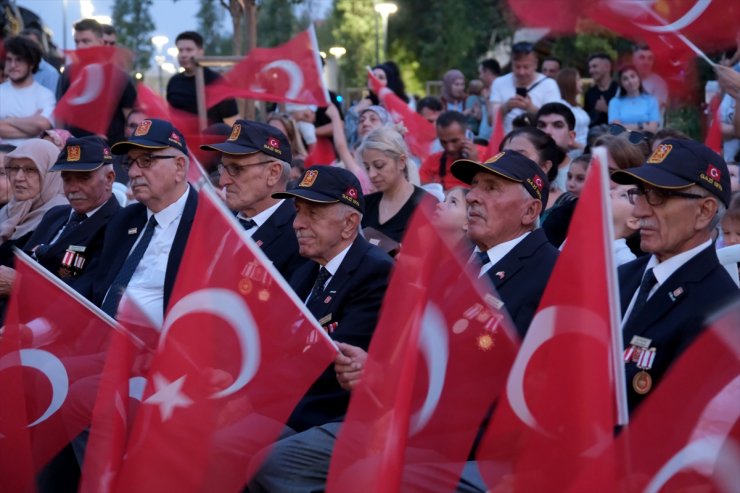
(327, 185)
(248, 137)
(153, 134)
(680, 163)
(511, 165)
(83, 154)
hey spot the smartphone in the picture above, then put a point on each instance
(521, 91)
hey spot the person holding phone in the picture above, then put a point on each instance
(524, 90)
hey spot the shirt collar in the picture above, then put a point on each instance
(497, 252)
(263, 216)
(334, 263)
(170, 213)
(664, 270)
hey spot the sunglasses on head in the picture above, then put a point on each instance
(522, 47)
(633, 136)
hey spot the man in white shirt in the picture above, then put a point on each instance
(145, 242)
(25, 105)
(643, 60)
(524, 90)
(507, 195)
(255, 163)
(682, 191)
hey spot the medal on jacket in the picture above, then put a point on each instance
(72, 262)
(642, 382)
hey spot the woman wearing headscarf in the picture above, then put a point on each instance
(34, 191)
(453, 91)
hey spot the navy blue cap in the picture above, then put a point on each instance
(153, 134)
(327, 185)
(681, 163)
(83, 154)
(513, 166)
(248, 137)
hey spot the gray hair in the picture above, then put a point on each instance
(721, 208)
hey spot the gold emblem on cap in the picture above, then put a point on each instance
(235, 131)
(143, 128)
(309, 178)
(495, 158)
(73, 153)
(660, 153)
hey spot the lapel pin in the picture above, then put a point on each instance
(133, 231)
(673, 295)
(327, 299)
(500, 274)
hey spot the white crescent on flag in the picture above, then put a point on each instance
(93, 78)
(635, 8)
(541, 330)
(294, 73)
(434, 346)
(231, 308)
(53, 370)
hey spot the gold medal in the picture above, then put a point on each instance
(642, 382)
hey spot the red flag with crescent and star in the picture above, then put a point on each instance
(98, 76)
(448, 345)
(289, 73)
(419, 134)
(559, 408)
(694, 446)
(236, 352)
(60, 348)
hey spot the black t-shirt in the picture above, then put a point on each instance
(590, 99)
(321, 118)
(394, 227)
(181, 95)
(118, 121)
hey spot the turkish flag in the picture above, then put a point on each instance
(120, 390)
(322, 152)
(236, 353)
(59, 354)
(420, 134)
(713, 139)
(448, 346)
(694, 446)
(560, 17)
(559, 406)
(98, 76)
(289, 73)
(497, 136)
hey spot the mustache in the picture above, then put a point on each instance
(137, 181)
(76, 196)
(303, 234)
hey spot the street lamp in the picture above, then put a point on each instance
(159, 41)
(385, 9)
(332, 66)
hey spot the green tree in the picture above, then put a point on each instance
(210, 19)
(134, 27)
(276, 22)
(352, 25)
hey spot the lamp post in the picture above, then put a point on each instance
(336, 53)
(385, 9)
(159, 41)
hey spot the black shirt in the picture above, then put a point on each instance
(181, 95)
(590, 99)
(394, 227)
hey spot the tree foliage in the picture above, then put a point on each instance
(277, 22)
(134, 28)
(210, 22)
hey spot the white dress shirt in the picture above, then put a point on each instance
(147, 284)
(260, 218)
(498, 252)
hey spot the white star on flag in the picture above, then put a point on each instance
(168, 395)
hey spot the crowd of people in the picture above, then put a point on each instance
(332, 229)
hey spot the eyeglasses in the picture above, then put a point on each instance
(144, 161)
(27, 170)
(633, 136)
(655, 196)
(235, 169)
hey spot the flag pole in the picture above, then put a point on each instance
(620, 387)
(690, 44)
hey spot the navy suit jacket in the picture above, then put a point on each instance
(278, 241)
(351, 299)
(89, 233)
(118, 243)
(676, 312)
(521, 275)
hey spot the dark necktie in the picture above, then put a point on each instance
(647, 284)
(74, 220)
(247, 223)
(110, 303)
(483, 258)
(318, 286)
